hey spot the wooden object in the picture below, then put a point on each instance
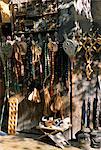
(13, 113)
(56, 133)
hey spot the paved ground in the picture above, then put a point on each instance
(23, 143)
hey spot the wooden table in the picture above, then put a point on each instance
(56, 134)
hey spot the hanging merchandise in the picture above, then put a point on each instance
(90, 46)
(47, 100)
(53, 48)
(95, 125)
(88, 113)
(69, 47)
(17, 61)
(96, 104)
(60, 63)
(66, 74)
(7, 51)
(6, 55)
(88, 56)
(36, 96)
(86, 44)
(57, 107)
(84, 115)
(28, 59)
(23, 51)
(45, 55)
(36, 53)
(22, 70)
(66, 69)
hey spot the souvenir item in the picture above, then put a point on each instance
(69, 47)
(88, 113)
(47, 99)
(30, 97)
(18, 61)
(36, 53)
(23, 45)
(58, 105)
(46, 67)
(89, 69)
(83, 115)
(89, 45)
(36, 96)
(53, 47)
(95, 117)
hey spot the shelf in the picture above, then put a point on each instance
(42, 15)
(47, 14)
(33, 17)
(32, 31)
(20, 15)
(51, 13)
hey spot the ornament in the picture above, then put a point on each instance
(69, 47)
(36, 96)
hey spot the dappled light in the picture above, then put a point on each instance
(50, 74)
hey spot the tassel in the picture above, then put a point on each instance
(58, 105)
(30, 97)
(47, 99)
(36, 96)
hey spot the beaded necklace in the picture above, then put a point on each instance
(53, 47)
(45, 54)
(52, 73)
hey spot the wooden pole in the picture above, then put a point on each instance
(71, 93)
(12, 17)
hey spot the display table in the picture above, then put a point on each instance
(56, 133)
